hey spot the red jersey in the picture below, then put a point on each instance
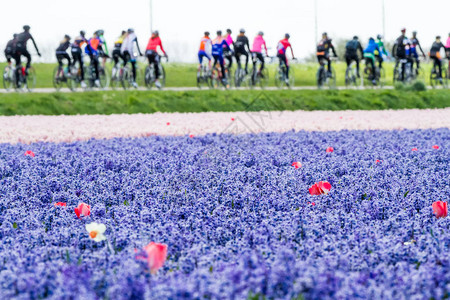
(153, 44)
(282, 46)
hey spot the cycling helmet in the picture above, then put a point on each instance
(82, 33)
(403, 29)
(15, 35)
(26, 27)
(219, 32)
(242, 30)
(207, 33)
(100, 32)
(438, 37)
(156, 32)
(260, 33)
(379, 36)
(414, 32)
(67, 37)
(287, 35)
(371, 39)
(355, 37)
(229, 31)
(130, 30)
(123, 32)
(325, 34)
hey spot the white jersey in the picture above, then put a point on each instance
(128, 44)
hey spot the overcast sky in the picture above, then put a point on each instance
(181, 23)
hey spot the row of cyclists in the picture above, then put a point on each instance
(95, 47)
(223, 47)
(220, 48)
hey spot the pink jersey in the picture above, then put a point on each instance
(229, 40)
(448, 43)
(258, 42)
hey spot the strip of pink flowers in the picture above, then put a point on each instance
(29, 129)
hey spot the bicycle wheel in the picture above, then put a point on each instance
(8, 78)
(30, 79)
(381, 78)
(215, 79)
(264, 78)
(103, 77)
(237, 77)
(444, 78)
(162, 76)
(320, 77)
(57, 79)
(291, 78)
(279, 77)
(125, 78)
(348, 77)
(115, 78)
(149, 77)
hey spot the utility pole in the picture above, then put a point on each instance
(315, 21)
(384, 18)
(151, 16)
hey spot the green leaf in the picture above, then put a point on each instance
(406, 194)
(15, 225)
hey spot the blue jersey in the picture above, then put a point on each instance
(371, 47)
(218, 46)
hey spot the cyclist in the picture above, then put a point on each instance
(383, 52)
(258, 44)
(351, 53)
(205, 50)
(62, 54)
(282, 47)
(116, 54)
(414, 45)
(436, 55)
(127, 51)
(218, 44)
(102, 49)
(240, 48)
(401, 50)
(77, 54)
(94, 44)
(228, 54)
(10, 49)
(323, 51)
(21, 46)
(152, 54)
(369, 55)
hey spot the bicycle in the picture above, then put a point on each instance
(150, 75)
(103, 76)
(281, 79)
(217, 79)
(403, 70)
(435, 79)
(24, 79)
(323, 77)
(377, 79)
(352, 77)
(62, 75)
(258, 77)
(204, 76)
(417, 73)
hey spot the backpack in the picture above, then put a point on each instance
(352, 47)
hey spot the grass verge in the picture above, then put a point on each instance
(116, 102)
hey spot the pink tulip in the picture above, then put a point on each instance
(82, 210)
(232, 119)
(168, 123)
(319, 188)
(435, 147)
(330, 149)
(414, 149)
(296, 164)
(440, 209)
(29, 153)
(60, 204)
(156, 255)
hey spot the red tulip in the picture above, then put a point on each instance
(191, 136)
(319, 188)
(296, 164)
(29, 153)
(156, 255)
(168, 123)
(414, 149)
(440, 209)
(232, 119)
(83, 210)
(60, 204)
(435, 147)
(378, 161)
(330, 149)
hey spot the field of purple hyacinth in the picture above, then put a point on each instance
(235, 214)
